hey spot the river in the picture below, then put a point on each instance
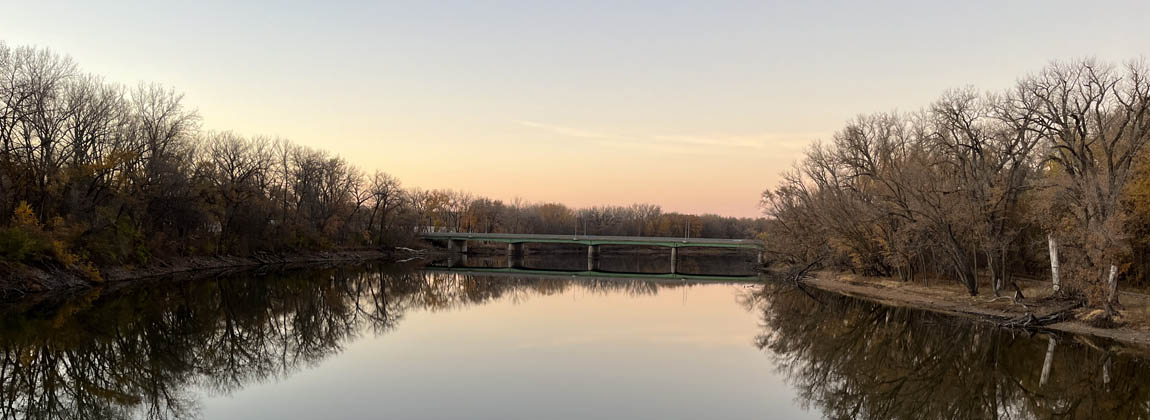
(404, 342)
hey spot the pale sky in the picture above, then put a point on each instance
(696, 106)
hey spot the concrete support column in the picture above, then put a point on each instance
(514, 255)
(674, 256)
(463, 246)
(759, 257)
(450, 245)
(592, 257)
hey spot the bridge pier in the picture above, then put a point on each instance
(514, 255)
(592, 257)
(461, 244)
(674, 255)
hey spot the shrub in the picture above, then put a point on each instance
(19, 245)
(27, 242)
(23, 241)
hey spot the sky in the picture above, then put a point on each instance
(695, 106)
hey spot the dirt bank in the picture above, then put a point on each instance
(1134, 318)
(18, 281)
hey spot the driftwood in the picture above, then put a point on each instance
(417, 254)
(1029, 320)
(795, 276)
(1033, 321)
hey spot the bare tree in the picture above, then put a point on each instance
(386, 197)
(1096, 120)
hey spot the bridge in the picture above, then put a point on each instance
(458, 241)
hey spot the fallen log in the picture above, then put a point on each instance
(1031, 321)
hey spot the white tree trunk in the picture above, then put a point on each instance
(1112, 284)
(1054, 262)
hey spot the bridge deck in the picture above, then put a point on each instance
(596, 240)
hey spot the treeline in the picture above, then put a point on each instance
(984, 186)
(94, 173)
(448, 210)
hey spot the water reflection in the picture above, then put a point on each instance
(855, 359)
(139, 352)
(158, 350)
(614, 261)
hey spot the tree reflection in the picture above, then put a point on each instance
(855, 359)
(150, 350)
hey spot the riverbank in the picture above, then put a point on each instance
(1133, 322)
(17, 281)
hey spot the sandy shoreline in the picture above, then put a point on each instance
(953, 300)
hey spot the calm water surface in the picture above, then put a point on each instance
(399, 342)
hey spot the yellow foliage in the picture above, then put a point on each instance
(38, 243)
(24, 216)
(61, 254)
(1137, 194)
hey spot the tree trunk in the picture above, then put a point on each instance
(996, 278)
(1112, 286)
(1004, 270)
(1053, 245)
(966, 276)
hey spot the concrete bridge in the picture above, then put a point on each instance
(458, 241)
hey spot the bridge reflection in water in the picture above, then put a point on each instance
(597, 275)
(622, 264)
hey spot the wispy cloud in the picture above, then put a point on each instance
(675, 143)
(568, 131)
